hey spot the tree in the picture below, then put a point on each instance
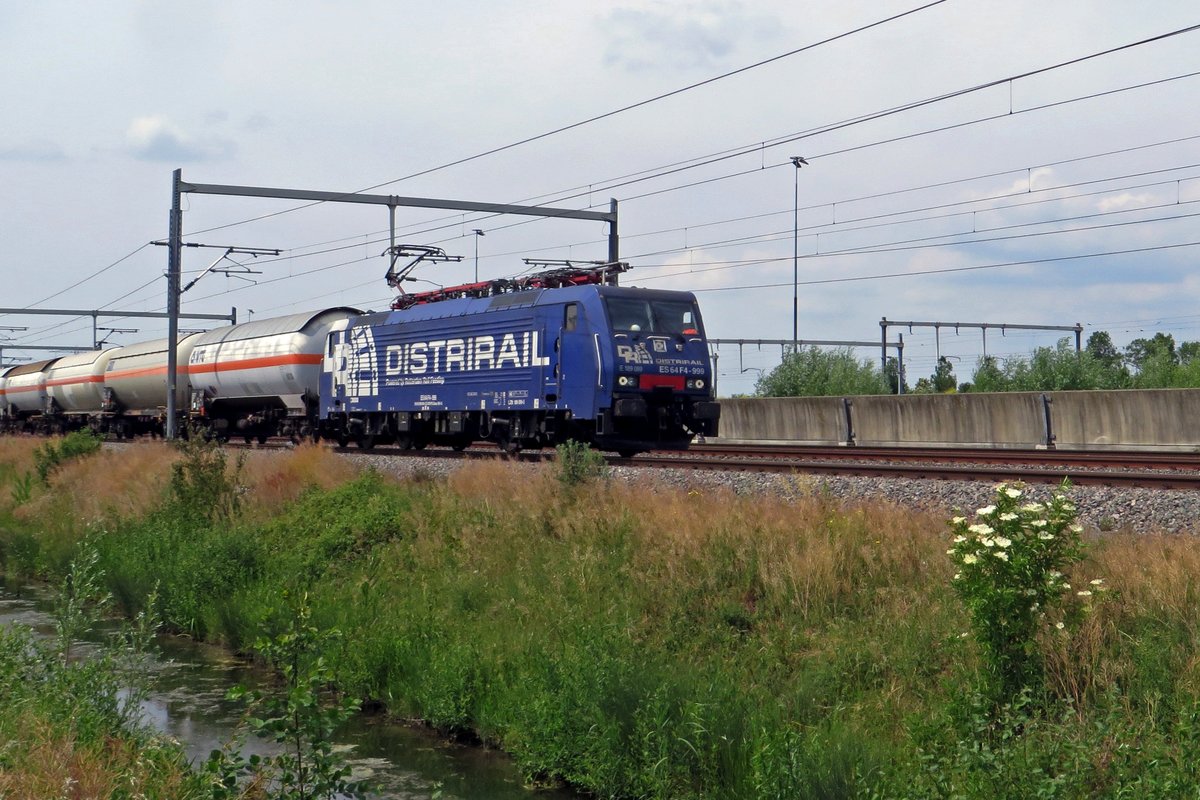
(989, 377)
(1189, 352)
(1101, 348)
(891, 374)
(1160, 347)
(943, 376)
(813, 372)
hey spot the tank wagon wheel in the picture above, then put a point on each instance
(343, 439)
(365, 441)
(404, 441)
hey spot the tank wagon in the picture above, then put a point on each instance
(260, 378)
(25, 394)
(4, 396)
(257, 379)
(525, 366)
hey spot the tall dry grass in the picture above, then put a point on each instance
(44, 761)
(275, 479)
(113, 483)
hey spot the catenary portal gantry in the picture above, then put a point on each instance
(175, 236)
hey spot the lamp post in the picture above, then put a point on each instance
(797, 162)
(477, 233)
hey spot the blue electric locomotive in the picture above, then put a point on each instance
(524, 366)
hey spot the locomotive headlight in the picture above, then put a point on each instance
(695, 383)
(625, 380)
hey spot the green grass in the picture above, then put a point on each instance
(666, 644)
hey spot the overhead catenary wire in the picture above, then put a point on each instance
(896, 109)
(606, 115)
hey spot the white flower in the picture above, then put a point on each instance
(986, 511)
(1066, 586)
(957, 520)
(1037, 523)
(1059, 625)
(986, 542)
(1008, 516)
(1003, 542)
(1097, 581)
(1055, 573)
(1000, 554)
(958, 576)
(958, 539)
(1032, 507)
(1045, 537)
(1076, 528)
(949, 552)
(981, 529)
(970, 558)
(1011, 492)
(1084, 594)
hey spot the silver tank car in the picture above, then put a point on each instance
(135, 378)
(25, 389)
(260, 378)
(75, 383)
(3, 396)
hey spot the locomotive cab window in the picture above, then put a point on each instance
(636, 315)
(571, 317)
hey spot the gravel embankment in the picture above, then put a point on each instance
(1100, 508)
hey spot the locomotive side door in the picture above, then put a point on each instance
(577, 367)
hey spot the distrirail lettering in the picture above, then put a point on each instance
(465, 355)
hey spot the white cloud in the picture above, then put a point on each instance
(680, 35)
(40, 150)
(154, 138)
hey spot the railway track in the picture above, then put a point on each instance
(1118, 469)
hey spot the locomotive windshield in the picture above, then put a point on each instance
(638, 314)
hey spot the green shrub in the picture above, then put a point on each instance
(53, 453)
(1011, 563)
(577, 463)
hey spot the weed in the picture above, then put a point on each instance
(74, 445)
(577, 464)
(297, 718)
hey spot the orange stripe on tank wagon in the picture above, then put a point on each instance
(255, 363)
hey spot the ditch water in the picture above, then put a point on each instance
(187, 702)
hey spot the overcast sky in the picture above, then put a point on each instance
(1064, 197)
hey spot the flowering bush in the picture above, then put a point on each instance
(1011, 558)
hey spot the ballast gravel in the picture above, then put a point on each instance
(1101, 509)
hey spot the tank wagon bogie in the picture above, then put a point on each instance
(623, 369)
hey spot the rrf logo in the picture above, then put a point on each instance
(634, 355)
